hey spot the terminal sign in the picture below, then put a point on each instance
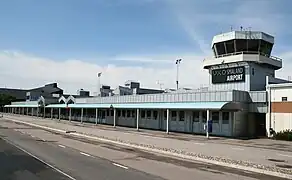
(226, 75)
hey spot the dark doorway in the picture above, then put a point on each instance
(260, 124)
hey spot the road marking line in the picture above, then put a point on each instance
(286, 155)
(240, 149)
(121, 166)
(241, 167)
(248, 172)
(51, 166)
(200, 144)
(85, 154)
(61, 146)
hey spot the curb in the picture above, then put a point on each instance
(256, 170)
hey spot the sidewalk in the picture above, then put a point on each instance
(226, 150)
(256, 143)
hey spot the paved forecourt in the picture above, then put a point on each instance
(232, 154)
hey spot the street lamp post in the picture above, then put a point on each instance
(177, 62)
(98, 86)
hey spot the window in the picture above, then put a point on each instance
(173, 115)
(123, 113)
(107, 112)
(148, 114)
(204, 116)
(196, 116)
(112, 112)
(229, 46)
(215, 117)
(128, 113)
(133, 113)
(252, 71)
(284, 98)
(220, 48)
(103, 114)
(119, 113)
(181, 116)
(165, 114)
(155, 114)
(142, 114)
(225, 117)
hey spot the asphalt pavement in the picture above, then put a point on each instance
(83, 159)
(18, 165)
(73, 163)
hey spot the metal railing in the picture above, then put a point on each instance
(248, 52)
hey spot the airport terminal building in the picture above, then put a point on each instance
(244, 98)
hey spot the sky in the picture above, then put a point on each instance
(70, 41)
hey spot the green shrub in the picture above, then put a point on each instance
(285, 135)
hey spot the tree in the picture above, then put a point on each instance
(6, 99)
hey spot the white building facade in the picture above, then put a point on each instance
(237, 101)
(279, 117)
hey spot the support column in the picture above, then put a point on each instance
(32, 111)
(115, 112)
(167, 121)
(59, 114)
(52, 113)
(269, 124)
(207, 125)
(38, 111)
(81, 115)
(96, 115)
(70, 111)
(137, 114)
(44, 111)
(27, 111)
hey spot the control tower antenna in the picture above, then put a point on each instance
(241, 28)
(231, 28)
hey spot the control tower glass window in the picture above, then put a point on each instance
(230, 46)
(265, 48)
(247, 46)
(220, 49)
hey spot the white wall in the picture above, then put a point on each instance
(278, 93)
(281, 121)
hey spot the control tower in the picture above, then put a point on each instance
(241, 61)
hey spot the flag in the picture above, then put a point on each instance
(98, 74)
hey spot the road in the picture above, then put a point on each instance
(16, 165)
(82, 159)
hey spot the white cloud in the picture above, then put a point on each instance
(20, 70)
(285, 72)
(148, 59)
(198, 19)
